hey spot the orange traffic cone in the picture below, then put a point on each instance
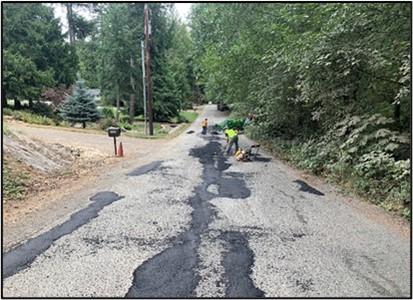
(120, 150)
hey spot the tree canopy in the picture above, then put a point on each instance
(295, 64)
(35, 53)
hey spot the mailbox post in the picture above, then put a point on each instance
(114, 132)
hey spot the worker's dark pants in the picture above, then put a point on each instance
(232, 141)
(204, 129)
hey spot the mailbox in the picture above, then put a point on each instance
(113, 131)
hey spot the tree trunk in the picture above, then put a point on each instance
(84, 124)
(131, 108)
(147, 27)
(69, 9)
(17, 104)
(117, 105)
(3, 98)
(397, 113)
(198, 94)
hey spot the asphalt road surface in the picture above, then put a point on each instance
(197, 223)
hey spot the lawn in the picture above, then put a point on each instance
(190, 116)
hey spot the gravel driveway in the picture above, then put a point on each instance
(193, 222)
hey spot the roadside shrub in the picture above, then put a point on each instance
(7, 111)
(125, 125)
(32, 118)
(123, 118)
(104, 123)
(56, 96)
(108, 113)
(42, 109)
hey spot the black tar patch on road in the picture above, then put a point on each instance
(307, 188)
(173, 272)
(237, 263)
(146, 168)
(23, 255)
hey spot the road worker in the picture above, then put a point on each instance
(204, 126)
(232, 138)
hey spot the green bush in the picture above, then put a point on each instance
(125, 125)
(32, 118)
(105, 123)
(108, 112)
(43, 109)
(7, 111)
(123, 118)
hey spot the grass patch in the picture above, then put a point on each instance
(189, 116)
(138, 130)
(14, 181)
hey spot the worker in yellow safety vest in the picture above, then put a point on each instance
(204, 126)
(232, 138)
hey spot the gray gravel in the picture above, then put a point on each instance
(296, 243)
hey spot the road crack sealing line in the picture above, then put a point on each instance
(23, 255)
(172, 272)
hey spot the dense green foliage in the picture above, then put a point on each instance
(81, 106)
(34, 52)
(329, 84)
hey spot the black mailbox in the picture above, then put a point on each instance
(114, 131)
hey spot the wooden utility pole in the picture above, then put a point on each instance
(148, 67)
(144, 87)
(132, 95)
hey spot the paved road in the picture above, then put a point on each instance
(196, 223)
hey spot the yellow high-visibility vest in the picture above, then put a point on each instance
(231, 133)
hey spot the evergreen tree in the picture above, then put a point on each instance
(81, 106)
(35, 53)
